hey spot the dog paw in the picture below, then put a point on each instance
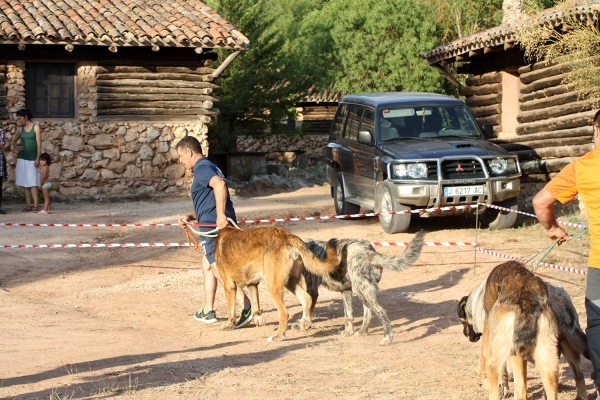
(227, 326)
(386, 340)
(259, 320)
(273, 338)
(304, 324)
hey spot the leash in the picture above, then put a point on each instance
(191, 239)
(549, 248)
(190, 232)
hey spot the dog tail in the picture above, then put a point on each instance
(404, 260)
(578, 340)
(567, 319)
(315, 264)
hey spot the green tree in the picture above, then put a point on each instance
(261, 87)
(371, 45)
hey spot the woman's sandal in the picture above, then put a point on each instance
(35, 209)
(26, 209)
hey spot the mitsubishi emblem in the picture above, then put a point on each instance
(459, 168)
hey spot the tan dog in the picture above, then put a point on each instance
(520, 325)
(245, 257)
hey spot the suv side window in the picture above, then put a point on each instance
(355, 114)
(368, 123)
(339, 121)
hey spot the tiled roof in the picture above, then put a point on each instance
(188, 23)
(504, 34)
(325, 96)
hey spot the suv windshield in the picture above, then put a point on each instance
(426, 122)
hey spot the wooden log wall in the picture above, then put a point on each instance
(554, 123)
(319, 118)
(484, 98)
(155, 91)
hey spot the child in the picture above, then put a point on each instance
(44, 170)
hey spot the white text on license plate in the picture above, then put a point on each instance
(463, 190)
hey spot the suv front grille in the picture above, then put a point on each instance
(462, 169)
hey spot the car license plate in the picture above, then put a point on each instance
(463, 190)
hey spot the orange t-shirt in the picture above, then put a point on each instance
(582, 177)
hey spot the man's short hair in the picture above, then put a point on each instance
(191, 143)
(597, 118)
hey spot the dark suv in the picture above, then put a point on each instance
(401, 151)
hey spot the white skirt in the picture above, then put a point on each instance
(27, 174)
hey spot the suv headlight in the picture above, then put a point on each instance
(414, 170)
(497, 165)
(502, 166)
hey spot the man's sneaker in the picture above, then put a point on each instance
(245, 318)
(2, 211)
(207, 318)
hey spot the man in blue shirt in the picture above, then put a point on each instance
(212, 205)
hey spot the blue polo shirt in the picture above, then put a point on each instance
(203, 196)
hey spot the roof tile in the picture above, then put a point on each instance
(502, 34)
(137, 22)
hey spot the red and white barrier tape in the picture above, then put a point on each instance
(83, 225)
(90, 245)
(184, 244)
(258, 221)
(317, 218)
(532, 215)
(559, 267)
(443, 244)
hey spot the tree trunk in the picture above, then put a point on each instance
(554, 124)
(480, 90)
(486, 111)
(550, 101)
(484, 79)
(480, 101)
(556, 111)
(542, 84)
(155, 90)
(162, 83)
(548, 92)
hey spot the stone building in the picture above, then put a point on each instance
(113, 85)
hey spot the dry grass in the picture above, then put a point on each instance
(576, 46)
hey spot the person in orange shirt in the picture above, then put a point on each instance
(580, 177)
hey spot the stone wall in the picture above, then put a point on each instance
(92, 157)
(313, 145)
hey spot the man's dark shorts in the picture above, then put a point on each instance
(208, 246)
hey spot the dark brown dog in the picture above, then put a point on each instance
(520, 325)
(245, 257)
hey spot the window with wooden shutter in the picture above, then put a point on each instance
(49, 90)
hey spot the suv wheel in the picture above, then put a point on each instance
(503, 219)
(342, 207)
(392, 223)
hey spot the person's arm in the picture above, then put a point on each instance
(220, 190)
(45, 174)
(14, 141)
(543, 204)
(2, 139)
(187, 218)
(38, 141)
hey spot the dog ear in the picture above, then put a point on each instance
(461, 307)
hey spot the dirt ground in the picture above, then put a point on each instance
(102, 323)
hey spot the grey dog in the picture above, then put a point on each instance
(572, 341)
(360, 270)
